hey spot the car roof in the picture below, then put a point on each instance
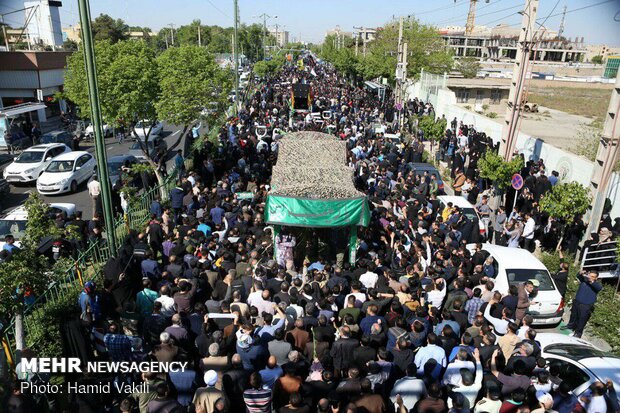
(458, 201)
(120, 158)
(512, 258)
(549, 339)
(44, 146)
(70, 156)
(54, 132)
(20, 213)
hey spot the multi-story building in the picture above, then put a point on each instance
(338, 32)
(44, 27)
(602, 50)
(281, 36)
(365, 34)
(73, 33)
(500, 43)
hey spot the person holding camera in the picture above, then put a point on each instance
(583, 305)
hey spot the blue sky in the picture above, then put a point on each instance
(311, 18)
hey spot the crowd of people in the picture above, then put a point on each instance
(414, 325)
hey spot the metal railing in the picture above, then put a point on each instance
(603, 258)
(89, 263)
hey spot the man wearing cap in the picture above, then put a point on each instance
(205, 397)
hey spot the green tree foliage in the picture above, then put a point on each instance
(106, 28)
(189, 81)
(597, 60)
(426, 50)
(493, 167)
(250, 41)
(28, 273)
(343, 58)
(127, 78)
(566, 202)
(265, 68)
(433, 129)
(70, 45)
(468, 67)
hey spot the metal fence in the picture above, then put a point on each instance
(90, 262)
(603, 258)
(430, 85)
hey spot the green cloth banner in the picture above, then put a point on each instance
(304, 212)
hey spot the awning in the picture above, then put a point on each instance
(374, 85)
(12, 111)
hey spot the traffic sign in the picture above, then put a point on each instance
(517, 181)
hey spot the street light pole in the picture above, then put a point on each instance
(236, 56)
(93, 92)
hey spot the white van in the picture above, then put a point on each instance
(514, 266)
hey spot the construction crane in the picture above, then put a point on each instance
(561, 29)
(471, 16)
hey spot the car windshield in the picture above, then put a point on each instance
(540, 278)
(115, 167)
(30, 157)
(49, 138)
(60, 166)
(470, 213)
(575, 351)
(136, 145)
(13, 227)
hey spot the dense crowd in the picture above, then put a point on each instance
(413, 325)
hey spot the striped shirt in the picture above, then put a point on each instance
(258, 401)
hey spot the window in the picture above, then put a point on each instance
(82, 160)
(570, 373)
(540, 278)
(462, 96)
(479, 96)
(496, 96)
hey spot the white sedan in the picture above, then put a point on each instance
(108, 130)
(66, 172)
(32, 162)
(142, 128)
(580, 363)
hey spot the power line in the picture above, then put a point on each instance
(218, 9)
(480, 15)
(583, 8)
(457, 3)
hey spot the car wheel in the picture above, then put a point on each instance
(74, 186)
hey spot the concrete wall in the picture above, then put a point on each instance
(570, 166)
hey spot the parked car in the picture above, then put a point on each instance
(66, 172)
(468, 209)
(514, 266)
(14, 222)
(32, 162)
(420, 168)
(108, 130)
(142, 128)
(115, 165)
(580, 362)
(154, 144)
(57, 136)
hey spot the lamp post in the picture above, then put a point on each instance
(265, 16)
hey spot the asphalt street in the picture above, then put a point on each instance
(81, 199)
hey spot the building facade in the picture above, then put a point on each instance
(44, 27)
(26, 76)
(281, 36)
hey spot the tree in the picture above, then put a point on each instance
(250, 41)
(105, 27)
(26, 275)
(469, 67)
(189, 81)
(70, 45)
(566, 202)
(493, 167)
(597, 60)
(425, 48)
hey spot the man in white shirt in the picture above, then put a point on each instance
(452, 376)
(168, 307)
(500, 325)
(262, 303)
(469, 386)
(94, 190)
(528, 232)
(369, 278)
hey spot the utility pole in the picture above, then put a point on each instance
(519, 76)
(172, 32)
(356, 39)
(236, 56)
(93, 93)
(199, 42)
(606, 158)
(561, 29)
(6, 39)
(265, 16)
